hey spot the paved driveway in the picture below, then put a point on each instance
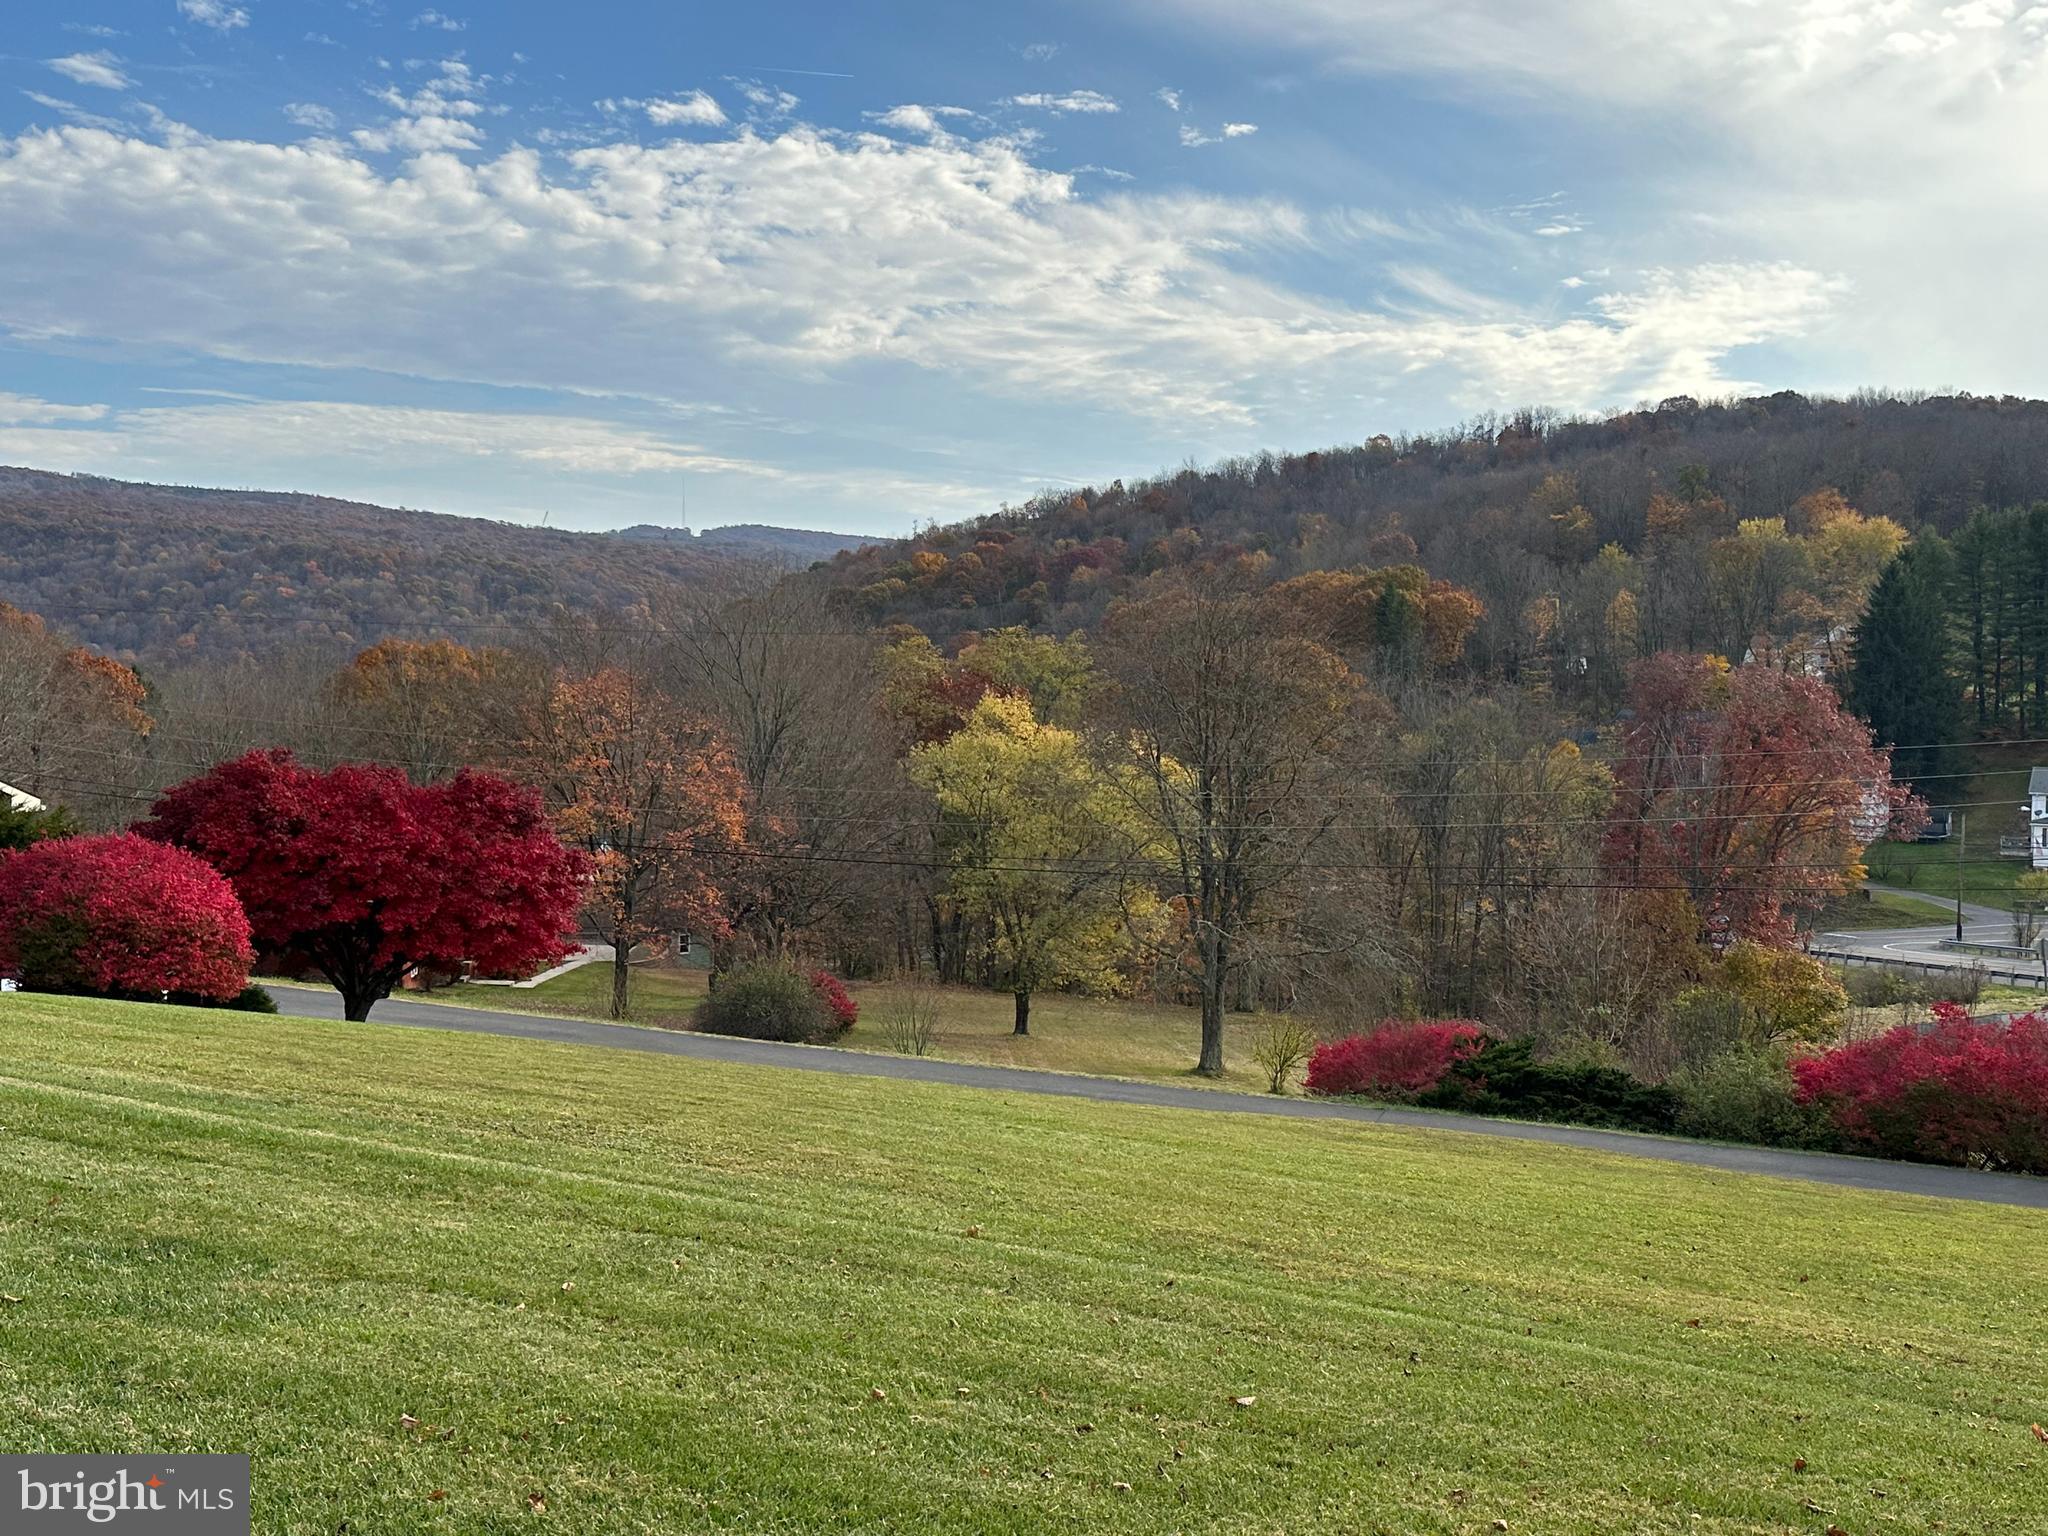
(1815, 1167)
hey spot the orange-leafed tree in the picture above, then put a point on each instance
(1399, 611)
(70, 718)
(652, 791)
(429, 704)
(1751, 790)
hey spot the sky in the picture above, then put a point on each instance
(858, 267)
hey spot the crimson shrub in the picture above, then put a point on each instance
(1959, 1091)
(1395, 1061)
(844, 1010)
(121, 916)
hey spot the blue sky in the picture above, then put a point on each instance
(859, 267)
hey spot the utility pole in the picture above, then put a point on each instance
(1960, 832)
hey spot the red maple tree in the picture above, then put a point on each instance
(367, 875)
(120, 916)
(1748, 789)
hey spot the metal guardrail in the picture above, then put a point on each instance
(2015, 978)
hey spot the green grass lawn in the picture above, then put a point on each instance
(1068, 1034)
(1879, 909)
(1992, 796)
(423, 1278)
(1931, 868)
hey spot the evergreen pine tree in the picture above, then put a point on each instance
(1902, 677)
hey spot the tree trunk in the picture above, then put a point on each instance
(622, 976)
(1023, 1025)
(356, 1003)
(1215, 975)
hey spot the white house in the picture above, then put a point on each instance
(21, 799)
(2037, 817)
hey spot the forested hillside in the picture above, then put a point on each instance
(1701, 527)
(158, 573)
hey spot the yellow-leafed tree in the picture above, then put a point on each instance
(1040, 846)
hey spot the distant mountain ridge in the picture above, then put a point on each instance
(154, 573)
(755, 540)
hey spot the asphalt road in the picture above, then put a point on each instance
(1921, 946)
(1814, 1167)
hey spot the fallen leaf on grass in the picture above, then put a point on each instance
(437, 1495)
(876, 1394)
(537, 1502)
(2039, 1432)
(1244, 1402)
(1798, 1463)
(407, 1421)
(12, 1301)
(1121, 1487)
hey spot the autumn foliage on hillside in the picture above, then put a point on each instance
(172, 573)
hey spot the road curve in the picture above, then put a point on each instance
(1813, 1167)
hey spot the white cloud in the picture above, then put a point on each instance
(1039, 53)
(1169, 96)
(217, 14)
(100, 68)
(72, 112)
(1192, 137)
(697, 107)
(1893, 140)
(766, 101)
(27, 410)
(803, 254)
(436, 21)
(1065, 101)
(375, 451)
(440, 115)
(912, 118)
(309, 115)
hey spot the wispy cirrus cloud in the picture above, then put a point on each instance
(99, 68)
(218, 14)
(1058, 102)
(28, 410)
(799, 253)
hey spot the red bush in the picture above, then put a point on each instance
(1396, 1061)
(843, 1008)
(1958, 1091)
(123, 916)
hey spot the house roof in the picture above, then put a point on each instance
(2037, 782)
(20, 799)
